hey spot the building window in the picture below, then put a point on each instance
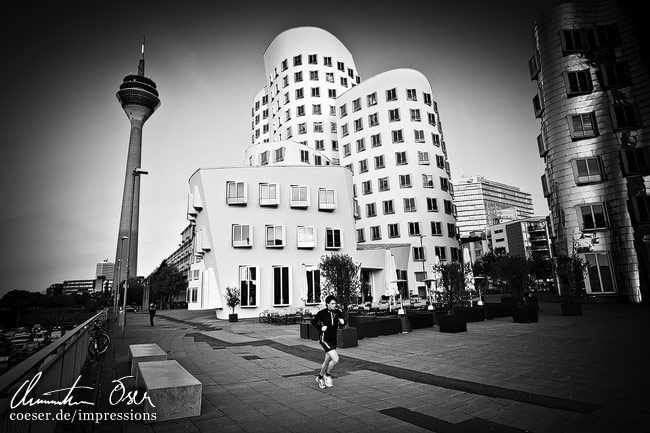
(427, 181)
(343, 110)
(441, 252)
(587, 170)
(242, 235)
(404, 180)
(312, 59)
(313, 286)
(432, 119)
(318, 126)
(332, 239)
(436, 228)
(427, 98)
(281, 281)
(344, 130)
(327, 61)
(599, 272)
(375, 140)
(636, 161)
(383, 184)
(451, 230)
(391, 95)
(248, 285)
(400, 158)
(449, 207)
(361, 235)
(320, 144)
(358, 125)
(423, 157)
(299, 196)
(607, 36)
(300, 93)
(411, 95)
(300, 110)
(313, 75)
(375, 233)
(372, 99)
(432, 204)
(326, 199)
(363, 166)
(340, 66)
(414, 229)
(379, 162)
(346, 149)
(574, 41)
(264, 158)
(344, 82)
(615, 75)
(592, 217)
(366, 187)
(297, 60)
(373, 119)
(356, 104)
(393, 115)
(578, 82)
(274, 236)
(269, 194)
(436, 139)
(361, 145)
(415, 115)
(371, 210)
(315, 92)
(419, 135)
(306, 237)
(409, 204)
(398, 137)
(388, 207)
(582, 126)
(393, 230)
(624, 117)
(297, 77)
(236, 193)
(444, 184)
(331, 93)
(418, 254)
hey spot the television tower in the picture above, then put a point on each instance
(139, 99)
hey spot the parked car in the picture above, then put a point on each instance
(132, 308)
(57, 332)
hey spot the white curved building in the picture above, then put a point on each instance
(391, 139)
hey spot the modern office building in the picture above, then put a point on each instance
(138, 97)
(525, 237)
(335, 165)
(481, 202)
(590, 65)
(106, 271)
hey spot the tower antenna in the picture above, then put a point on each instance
(141, 62)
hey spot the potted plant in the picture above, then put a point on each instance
(452, 290)
(570, 274)
(341, 279)
(233, 298)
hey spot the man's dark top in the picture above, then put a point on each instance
(329, 318)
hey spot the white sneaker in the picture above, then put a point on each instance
(328, 381)
(320, 382)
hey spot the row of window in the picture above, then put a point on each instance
(391, 95)
(275, 237)
(383, 183)
(400, 159)
(397, 137)
(393, 231)
(249, 284)
(388, 206)
(393, 116)
(269, 195)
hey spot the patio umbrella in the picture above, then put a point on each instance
(469, 273)
(303, 284)
(390, 275)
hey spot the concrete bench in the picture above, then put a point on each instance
(173, 391)
(142, 353)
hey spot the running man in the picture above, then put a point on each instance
(327, 322)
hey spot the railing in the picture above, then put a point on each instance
(60, 365)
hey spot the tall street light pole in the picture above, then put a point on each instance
(136, 173)
(116, 284)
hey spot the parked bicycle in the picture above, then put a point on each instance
(99, 339)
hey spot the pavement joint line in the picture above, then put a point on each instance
(349, 364)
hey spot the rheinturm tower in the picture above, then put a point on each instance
(139, 99)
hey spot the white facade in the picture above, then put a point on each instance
(390, 137)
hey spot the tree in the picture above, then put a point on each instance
(570, 273)
(233, 297)
(341, 276)
(165, 283)
(453, 279)
(511, 273)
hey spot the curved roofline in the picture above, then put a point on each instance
(319, 29)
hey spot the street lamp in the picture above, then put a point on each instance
(116, 284)
(136, 172)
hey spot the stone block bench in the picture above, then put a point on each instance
(173, 391)
(143, 353)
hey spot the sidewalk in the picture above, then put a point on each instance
(563, 374)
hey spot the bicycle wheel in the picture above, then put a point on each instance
(99, 344)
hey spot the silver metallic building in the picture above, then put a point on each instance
(593, 102)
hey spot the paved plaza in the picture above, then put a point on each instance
(562, 374)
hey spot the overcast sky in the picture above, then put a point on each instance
(65, 136)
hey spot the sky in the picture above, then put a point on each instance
(64, 136)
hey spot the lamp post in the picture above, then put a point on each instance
(136, 172)
(116, 284)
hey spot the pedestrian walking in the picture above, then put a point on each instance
(327, 321)
(152, 312)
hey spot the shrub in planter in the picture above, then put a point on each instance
(570, 273)
(346, 337)
(453, 278)
(452, 324)
(233, 298)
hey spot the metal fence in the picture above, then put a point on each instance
(59, 365)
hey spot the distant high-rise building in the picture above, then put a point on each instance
(481, 202)
(590, 64)
(139, 99)
(106, 271)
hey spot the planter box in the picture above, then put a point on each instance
(571, 309)
(420, 320)
(472, 314)
(304, 330)
(232, 317)
(500, 310)
(523, 315)
(452, 324)
(346, 337)
(314, 334)
(390, 326)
